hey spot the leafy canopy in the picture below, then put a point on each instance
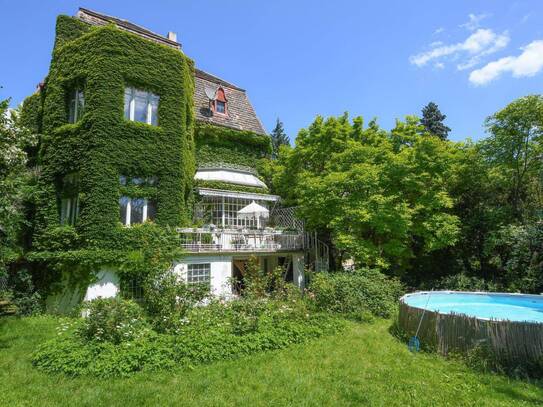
(383, 196)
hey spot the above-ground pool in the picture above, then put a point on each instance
(448, 321)
(513, 307)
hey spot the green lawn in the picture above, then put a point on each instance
(362, 366)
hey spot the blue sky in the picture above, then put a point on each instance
(298, 59)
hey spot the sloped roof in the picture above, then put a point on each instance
(240, 113)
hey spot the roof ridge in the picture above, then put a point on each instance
(128, 24)
(206, 75)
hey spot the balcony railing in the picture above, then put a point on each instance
(224, 240)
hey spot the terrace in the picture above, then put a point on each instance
(231, 221)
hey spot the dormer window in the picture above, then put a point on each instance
(141, 106)
(220, 102)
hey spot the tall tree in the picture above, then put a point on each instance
(279, 138)
(382, 196)
(14, 180)
(515, 149)
(432, 120)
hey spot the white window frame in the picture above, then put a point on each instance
(129, 210)
(207, 268)
(132, 105)
(76, 96)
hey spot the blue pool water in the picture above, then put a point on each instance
(514, 307)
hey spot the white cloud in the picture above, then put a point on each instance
(439, 65)
(474, 20)
(528, 63)
(480, 43)
(439, 30)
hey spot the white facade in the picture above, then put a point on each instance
(107, 285)
(220, 272)
(222, 269)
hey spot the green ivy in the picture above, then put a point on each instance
(229, 187)
(102, 146)
(222, 144)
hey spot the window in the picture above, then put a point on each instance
(223, 212)
(220, 102)
(199, 274)
(220, 106)
(141, 106)
(69, 199)
(69, 210)
(77, 106)
(136, 210)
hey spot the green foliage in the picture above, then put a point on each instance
(16, 179)
(278, 138)
(222, 144)
(383, 197)
(515, 252)
(168, 299)
(432, 120)
(112, 320)
(103, 145)
(514, 148)
(357, 294)
(259, 284)
(229, 187)
(216, 332)
(22, 293)
(463, 282)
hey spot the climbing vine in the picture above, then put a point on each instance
(102, 149)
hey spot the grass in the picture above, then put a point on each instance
(364, 365)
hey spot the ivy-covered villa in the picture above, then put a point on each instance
(132, 133)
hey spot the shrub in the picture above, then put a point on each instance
(112, 320)
(215, 332)
(463, 282)
(356, 294)
(267, 285)
(168, 299)
(22, 293)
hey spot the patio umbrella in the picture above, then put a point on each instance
(252, 211)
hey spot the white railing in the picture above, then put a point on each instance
(196, 240)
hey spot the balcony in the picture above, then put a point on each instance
(200, 240)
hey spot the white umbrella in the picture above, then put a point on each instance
(254, 210)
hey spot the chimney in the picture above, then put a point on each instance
(172, 36)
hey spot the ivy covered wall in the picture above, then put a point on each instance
(103, 145)
(222, 144)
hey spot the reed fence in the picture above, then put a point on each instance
(512, 341)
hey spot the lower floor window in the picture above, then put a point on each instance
(136, 210)
(69, 210)
(199, 273)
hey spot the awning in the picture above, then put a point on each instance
(236, 194)
(231, 176)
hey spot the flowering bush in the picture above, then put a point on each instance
(112, 320)
(220, 330)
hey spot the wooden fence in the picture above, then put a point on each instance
(513, 341)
